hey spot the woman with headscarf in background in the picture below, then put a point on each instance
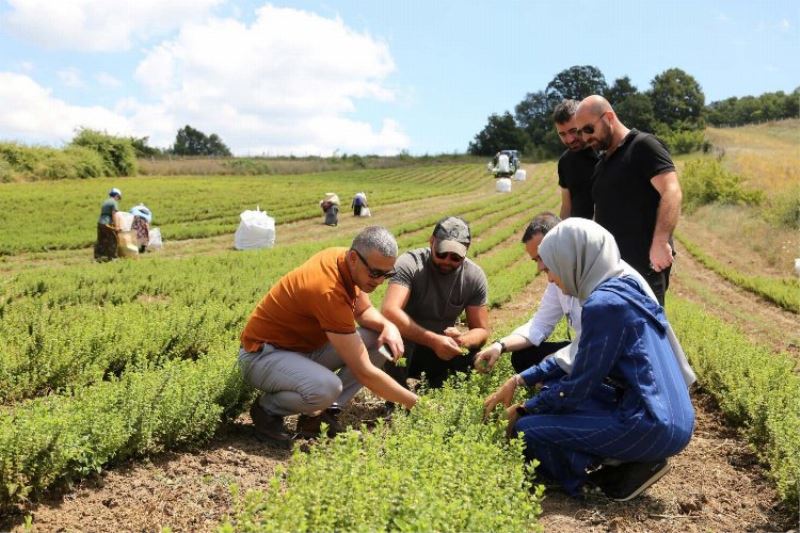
(625, 407)
(105, 249)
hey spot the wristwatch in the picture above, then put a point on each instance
(502, 345)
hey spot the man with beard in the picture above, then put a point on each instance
(575, 166)
(636, 193)
(425, 298)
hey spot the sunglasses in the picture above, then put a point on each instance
(374, 273)
(454, 257)
(589, 128)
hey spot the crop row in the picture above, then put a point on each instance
(757, 389)
(784, 292)
(50, 216)
(60, 437)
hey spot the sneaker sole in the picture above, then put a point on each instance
(646, 485)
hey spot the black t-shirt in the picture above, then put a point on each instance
(625, 201)
(575, 170)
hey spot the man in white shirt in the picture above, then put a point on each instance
(527, 343)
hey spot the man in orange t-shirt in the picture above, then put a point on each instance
(304, 331)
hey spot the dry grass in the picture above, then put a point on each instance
(767, 155)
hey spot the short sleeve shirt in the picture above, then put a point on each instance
(436, 300)
(317, 297)
(575, 173)
(626, 203)
(107, 210)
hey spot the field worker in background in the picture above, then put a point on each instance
(105, 249)
(359, 202)
(626, 400)
(330, 206)
(141, 225)
(527, 343)
(636, 192)
(502, 166)
(575, 166)
(302, 349)
(431, 289)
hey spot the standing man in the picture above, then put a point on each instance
(431, 289)
(575, 166)
(105, 249)
(636, 192)
(303, 332)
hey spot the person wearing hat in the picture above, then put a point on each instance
(105, 249)
(425, 299)
(330, 206)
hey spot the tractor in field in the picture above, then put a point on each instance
(504, 164)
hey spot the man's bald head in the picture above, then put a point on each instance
(594, 105)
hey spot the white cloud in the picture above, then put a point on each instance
(288, 82)
(100, 25)
(26, 66)
(784, 25)
(107, 80)
(71, 77)
(30, 113)
(284, 83)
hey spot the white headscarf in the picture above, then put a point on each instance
(584, 254)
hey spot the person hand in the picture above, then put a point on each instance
(454, 333)
(503, 395)
(446, 348)
(487, 358)
(660, 256)
(390, 336)
(512, 416)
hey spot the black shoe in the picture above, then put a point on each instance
(269, 427)
(634, 478)
(310, 427)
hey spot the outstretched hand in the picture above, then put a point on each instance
(504, 395)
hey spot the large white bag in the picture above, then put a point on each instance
(125, 220)
(256, 230)
(503, 185)
(365, 212)
(155, 242)
(520, 175)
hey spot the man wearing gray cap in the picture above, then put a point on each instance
(425, 298)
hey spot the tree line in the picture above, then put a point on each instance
(673, 108)
(188, 142)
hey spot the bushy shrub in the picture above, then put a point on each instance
(705, 181)
(685, 141)
(117, 152)
(785, 209)
(43, 163)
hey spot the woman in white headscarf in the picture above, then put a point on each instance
(626, 399)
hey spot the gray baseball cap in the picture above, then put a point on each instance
(452, 235)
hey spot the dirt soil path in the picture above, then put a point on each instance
(716, 484)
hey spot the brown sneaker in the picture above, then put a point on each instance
(269, 427)
(310, 427)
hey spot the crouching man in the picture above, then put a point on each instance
(301, 346)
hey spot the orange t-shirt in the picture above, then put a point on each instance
(317, 297)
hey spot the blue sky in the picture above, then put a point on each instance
(322, 77)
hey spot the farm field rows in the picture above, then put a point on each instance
(102, 363)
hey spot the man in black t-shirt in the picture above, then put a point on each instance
(575, 166)
(636, 192)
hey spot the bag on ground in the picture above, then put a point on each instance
(503, 185)
(155, 242)
(256, 230)
(365, 212)
(520, 175)
(126, 244)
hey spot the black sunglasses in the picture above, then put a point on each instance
(454, 257)
(589, 128)
(374, 273)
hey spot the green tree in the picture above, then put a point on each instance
(577, 83)
(190, 141)
(118, 153)
(622, 89)
(678, 100)
(501, 132)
